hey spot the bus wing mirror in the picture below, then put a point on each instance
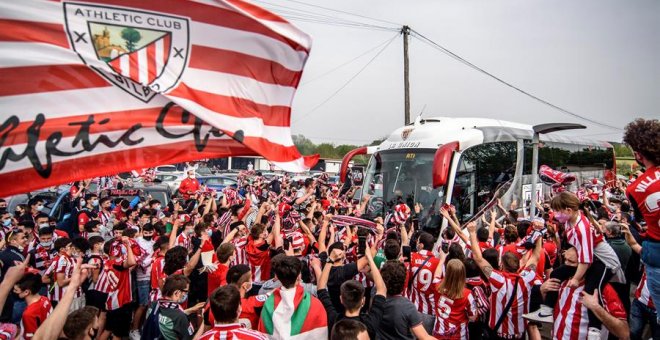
(343, 171)
(442, 163)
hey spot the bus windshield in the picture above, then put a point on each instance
(401, 176)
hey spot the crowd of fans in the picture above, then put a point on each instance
(277, 259)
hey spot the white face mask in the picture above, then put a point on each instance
(191, 175)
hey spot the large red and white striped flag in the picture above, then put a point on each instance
(90, 88)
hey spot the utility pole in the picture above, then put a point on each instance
(405, 30)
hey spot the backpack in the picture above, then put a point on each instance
(151, 327)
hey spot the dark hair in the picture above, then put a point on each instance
(236, 273)
(482, 234)
(174, 283)
(522, 228)
(224, 303)
(510, 234)
(144, 211)
(392, 249)
(46, 231)
(225, 251)
(352, 293)
(31, 282)
(40, 215)
(147, 227)
(175, 259)
(426, 240)
(103, 200)
(336, 245)
(492, 256)
(89, 226)
(80, 243)
(256, 230)
(79, 321)
(394, 275)
(120, 226)
(642, 136)
(130, 232)
(61, 243)
(90, 196)
(471, 268)
(347, 329)
(455, 251)
(94, 240)
(287, 269)
(107, 246)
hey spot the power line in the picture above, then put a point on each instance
(475, 67)
(345, 63)
(297, 14)
(345, 12)
(347, 82)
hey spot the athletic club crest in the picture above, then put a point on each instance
(406, 133)
(141, 52)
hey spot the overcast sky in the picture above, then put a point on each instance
(599, 59)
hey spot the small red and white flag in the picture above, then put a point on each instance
(91, 88)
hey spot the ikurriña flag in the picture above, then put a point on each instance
(91, 88)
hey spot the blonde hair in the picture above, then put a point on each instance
(454, 281)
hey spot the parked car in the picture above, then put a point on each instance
(166, 168)
(57, 204)
(217, 183)
(171, 179)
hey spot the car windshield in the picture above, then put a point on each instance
(401, 176)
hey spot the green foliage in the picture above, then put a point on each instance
(622, 150)
(328, 150)
(132, 36)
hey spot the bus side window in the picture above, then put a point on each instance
(482, 170)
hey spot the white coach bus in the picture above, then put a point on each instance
(470, 163)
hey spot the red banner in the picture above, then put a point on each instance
(94, 88)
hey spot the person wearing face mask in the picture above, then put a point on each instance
(7, 221)
(82, 324)
(61, 270)
(241, 277)
(597, 261)
(189, 186)
(105, 213)
(88, 212)
(172, 319)
(12, 254)
(34, 206)
(38, 306)
(143, 271)
(42, 254)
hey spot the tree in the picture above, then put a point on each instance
(132, 36)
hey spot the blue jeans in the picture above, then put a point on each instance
(640, 315)
(652, 268)
(143, 288)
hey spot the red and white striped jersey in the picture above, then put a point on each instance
(502, 285)
(452, 315)
(571, 319)
(108, 280)
(123, 294)
(62, 264)
(363, 279)
(241, 255)
(232, 331)
(422, 292)
(584, 238)
(642, 293)
(184, 240)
